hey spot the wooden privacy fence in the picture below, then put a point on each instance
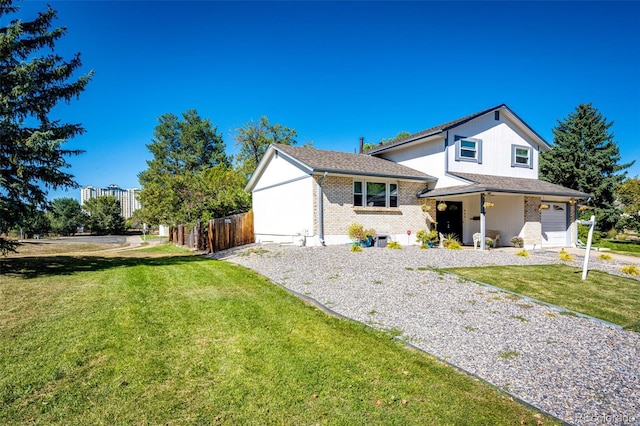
(219, 234)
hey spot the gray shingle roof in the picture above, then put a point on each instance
(488, 183)
(447, 126)
(351, 164)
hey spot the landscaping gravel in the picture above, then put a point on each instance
(580, 370)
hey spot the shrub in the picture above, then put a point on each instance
(454, 245)
(583, 234)
(355, 248)
(449, 239)
(517, 241)
(605, 257)
(393, 245)
(522, 253)
(356, 232)
(425, 237)
(565, 256)
(488, 242)
(631, 270)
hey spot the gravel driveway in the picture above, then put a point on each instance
(579, 370)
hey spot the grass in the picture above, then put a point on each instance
(167, 337)
(630, 249)
(43, 247)
(509, 355)
(608, 297)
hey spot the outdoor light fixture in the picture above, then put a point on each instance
(488, 203)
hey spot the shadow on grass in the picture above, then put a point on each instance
(40, 266)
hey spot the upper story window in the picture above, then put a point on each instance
(375, 194)
(521, 156)
(468, 149)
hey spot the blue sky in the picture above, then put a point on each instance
(336, 71)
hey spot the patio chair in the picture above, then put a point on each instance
(494, 235)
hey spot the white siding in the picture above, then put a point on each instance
(497, 138)
(283, 203)
(278, 170)
(506, 217)
(427, 157)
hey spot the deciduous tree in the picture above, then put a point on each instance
(36, 221)
(33, 80)
(585, 157)
(255, 138)
(628, 195)
(66, 215)
(103, 215)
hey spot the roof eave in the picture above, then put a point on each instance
(380, 175)
(272, 150)
(478, 190)
(404, 143)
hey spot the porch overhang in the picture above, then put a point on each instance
(481, 184)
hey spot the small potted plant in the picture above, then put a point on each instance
(368, 236)
(517, 241)
(356, 233)
(426, 238)
(489, 243)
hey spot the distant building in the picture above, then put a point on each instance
(128, 197)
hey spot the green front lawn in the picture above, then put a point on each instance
(628, 248)
(161, 337)
(608, 297)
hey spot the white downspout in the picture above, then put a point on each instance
(483, 231)
(321, 210)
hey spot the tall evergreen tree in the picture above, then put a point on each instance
(32, 82)
(586, 158)
(182, 150)
(255, 138)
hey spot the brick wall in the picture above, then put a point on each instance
(532, 230)
(339, 211)
(572, 224)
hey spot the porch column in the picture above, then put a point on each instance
(482, 223)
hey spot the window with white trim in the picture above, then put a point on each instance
(375, 194)
(521, 156)
(468, 149)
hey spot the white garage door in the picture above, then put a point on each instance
(554, 225)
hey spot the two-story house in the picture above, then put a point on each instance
(465, 177)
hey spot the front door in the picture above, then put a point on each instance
(450, 220)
